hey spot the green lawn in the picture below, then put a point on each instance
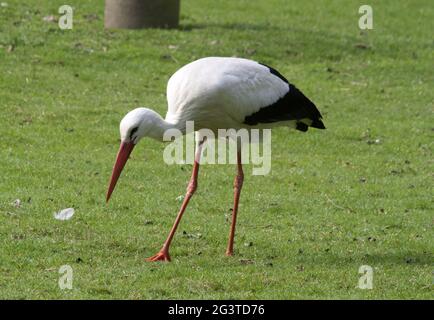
(358, 193)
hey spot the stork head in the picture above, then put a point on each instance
(137, 124)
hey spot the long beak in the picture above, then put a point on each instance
(121, 159)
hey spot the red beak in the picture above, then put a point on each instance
(121, 159)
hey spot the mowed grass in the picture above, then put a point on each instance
(358, 193)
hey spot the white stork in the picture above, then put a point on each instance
(217, 93)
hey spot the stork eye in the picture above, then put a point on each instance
(132, 132)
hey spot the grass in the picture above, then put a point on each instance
(358, 193)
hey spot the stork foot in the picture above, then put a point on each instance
(160, 256)
(229, 253)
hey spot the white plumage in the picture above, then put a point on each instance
(219, 93)
(223, 93)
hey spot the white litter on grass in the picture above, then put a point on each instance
(180, 198)
(3, 4)
(50, 18)
(64, 214)
(16, 203)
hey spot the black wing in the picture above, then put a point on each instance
(293, 106)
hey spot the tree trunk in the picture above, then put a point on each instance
(138, 14)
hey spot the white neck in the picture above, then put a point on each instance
(160, 126)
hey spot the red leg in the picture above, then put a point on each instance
(163, 254)
(238, 183)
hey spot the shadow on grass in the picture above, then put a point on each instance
(231, 26)
(326, 44)
(388, 258)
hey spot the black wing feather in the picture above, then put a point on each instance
(293, 106)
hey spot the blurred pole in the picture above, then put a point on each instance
(138, 14)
